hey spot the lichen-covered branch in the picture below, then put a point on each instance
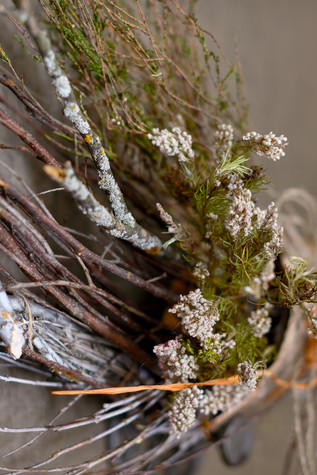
(97, 213)
(72, 112)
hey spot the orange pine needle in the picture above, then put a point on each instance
(162, 387)
(180, 386)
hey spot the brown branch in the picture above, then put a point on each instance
(34, 109)
(28, 138)
(38, 248)
(71, 245)
(91, 291)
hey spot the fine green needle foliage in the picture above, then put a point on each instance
(297, 284)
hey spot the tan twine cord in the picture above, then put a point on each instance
(310, 362)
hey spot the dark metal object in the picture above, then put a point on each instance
(238, 441)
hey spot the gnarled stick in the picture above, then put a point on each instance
(97, 213)
(72, 112)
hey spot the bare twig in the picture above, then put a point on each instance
(40, 151)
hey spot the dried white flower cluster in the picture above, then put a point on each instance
(222, 398)
(243, 216)
(201, 272)
(261, 282)
(174, 361)
(248, 375)
(260, 321)
(275, 245)
(235, 185)
(223, 139)
(175, 143)
(198, 317)
(240, 215)
(269, 145)
(183, 409)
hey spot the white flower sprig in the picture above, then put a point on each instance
(183, 409)
(248, 375)
(269, 145)
(223, 139)
(260, 321)
(221, 398)
(198, 317)
(175, 143)
(174, 361)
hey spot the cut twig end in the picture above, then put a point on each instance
(3, 185)
(55, 173)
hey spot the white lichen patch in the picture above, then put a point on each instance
(50, 64)
(63, 87)
(146, 243)
(109, 184)
(103, 162)
(72, 112)
(86, 201)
